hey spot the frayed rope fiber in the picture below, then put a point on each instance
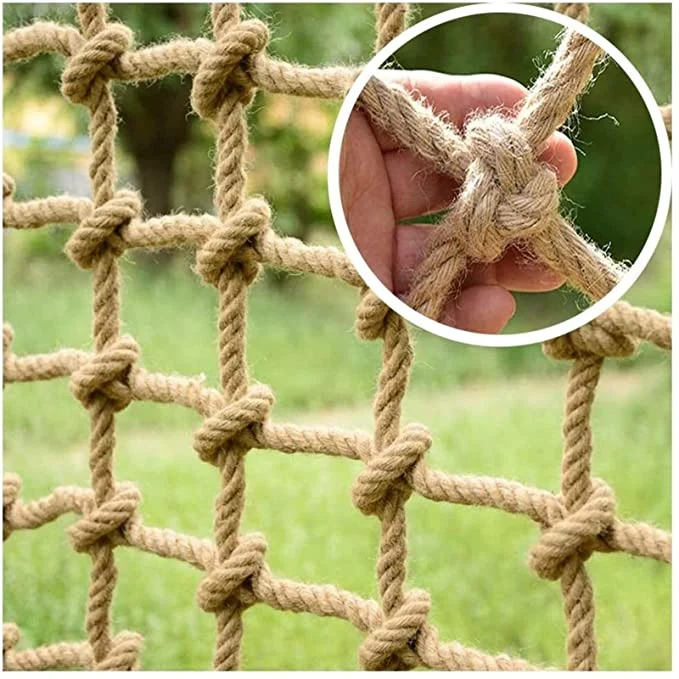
(231, 248)
(507, 195)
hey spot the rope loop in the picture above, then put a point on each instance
(7, 339)
(397, 634)
(230, 579)
(124, 653)
(605, 337)
(10, 637)
(235, 242)
(371, 316)
(8, 186)
(11, 487)
(389, 467)
(577, 534)
(232, 421)
(95, 63)
(224, 70)
(107, 373)
(107, 520)
(100, 231)
(508, 195)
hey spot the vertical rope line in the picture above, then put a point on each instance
(392, 385)
(230, 181)
(576, 488)
(106, 314)
(391, 20)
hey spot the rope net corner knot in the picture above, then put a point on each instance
(231, 423)
(372, 316)
(235, 243)
(100, 231)
(11, 488)
(396, 634)
(88, 70)
(508, 194)
(575, 535)
(107, 520)
(124, 653)
(229, 579)
(107, 374)
(224, 70)
(605, 336)
(390, 467)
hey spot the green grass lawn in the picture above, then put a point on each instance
(471, 560)
(494, 412)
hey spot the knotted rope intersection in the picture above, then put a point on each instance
(231, 248)
(507, 195)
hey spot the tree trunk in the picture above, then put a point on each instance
(155, 126)
(155, 174)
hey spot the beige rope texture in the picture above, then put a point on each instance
(231, 248)
(507, 195)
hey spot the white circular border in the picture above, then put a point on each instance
(482, 339)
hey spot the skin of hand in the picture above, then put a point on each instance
(382, 184)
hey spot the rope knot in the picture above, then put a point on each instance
(107, 520)
(94, 63)
(8, 186)
(100, 231)
(10, 637)
(107, 373)
(229, 579)
(575, 535)
(11, 487)
(396, 634)
(389, 467)
(232, 421)
(7, 338)
(235, 243)
(371, 316)
(124, 653)
(603, 337)
(224, 70)
(508, 194)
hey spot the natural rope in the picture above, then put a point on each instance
(231, 248)
(507, 194)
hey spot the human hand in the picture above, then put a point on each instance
(382, 184)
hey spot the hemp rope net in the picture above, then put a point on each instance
(231, 248)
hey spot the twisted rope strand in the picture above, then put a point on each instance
(506, 194)
(230, 248)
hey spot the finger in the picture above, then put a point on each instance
(480, 308)
(520, 271)
(415, 188)
(516, 270)
(366, 197)
(455, 97)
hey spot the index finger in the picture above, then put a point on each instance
(455, 98)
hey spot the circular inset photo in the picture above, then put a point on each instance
(500, 175)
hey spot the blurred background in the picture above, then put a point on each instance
(494, 412)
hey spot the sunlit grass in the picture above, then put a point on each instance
(472, 561)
